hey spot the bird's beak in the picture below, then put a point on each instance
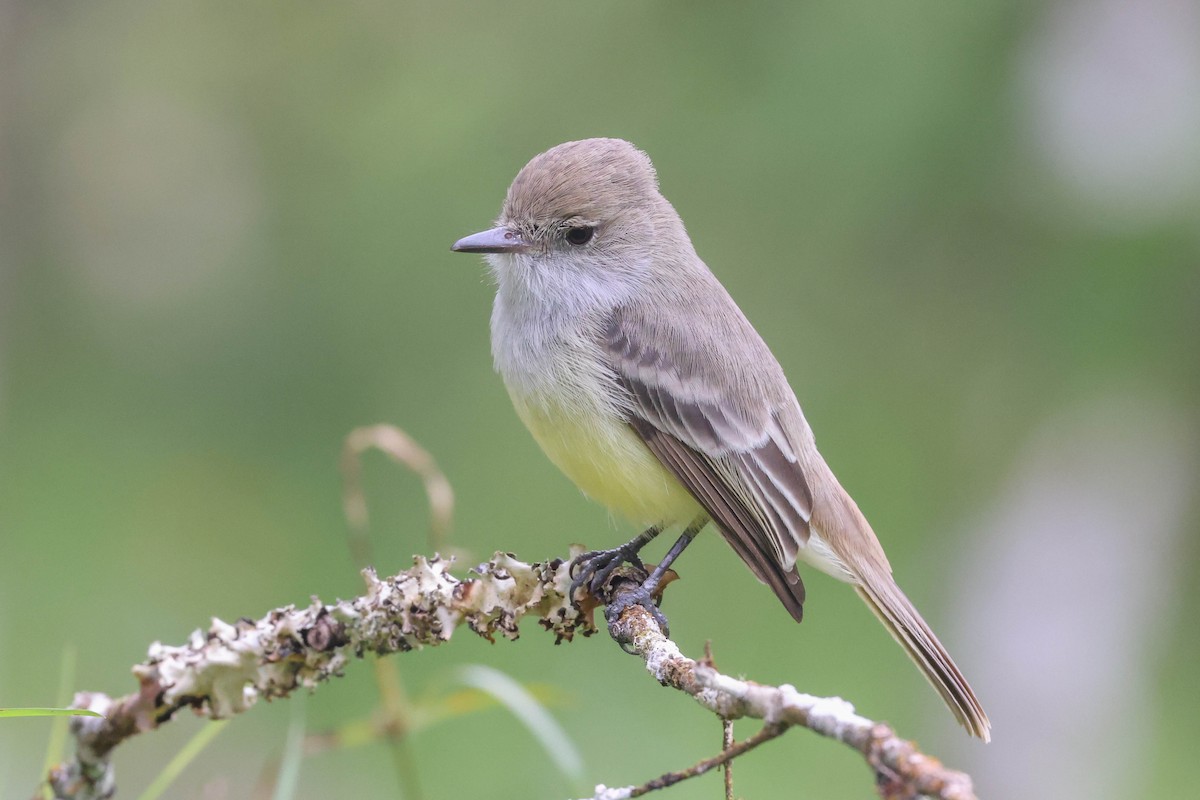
(497, 240)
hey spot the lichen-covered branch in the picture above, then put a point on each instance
(229, 667)
(902, 772)
(226, 669)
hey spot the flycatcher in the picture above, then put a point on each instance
(643, 381)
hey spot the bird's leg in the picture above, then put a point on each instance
(643, 595)
(594, 568)
(685, 538)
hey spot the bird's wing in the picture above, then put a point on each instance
(722, 418)
(722, 433)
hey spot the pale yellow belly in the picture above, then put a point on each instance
(608, 462)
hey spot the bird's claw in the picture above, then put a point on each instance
(637, 596)
(593, 569)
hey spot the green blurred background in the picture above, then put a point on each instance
(970, 233)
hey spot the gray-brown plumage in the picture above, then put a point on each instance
(643, 381)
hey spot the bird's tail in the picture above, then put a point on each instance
(899, 616)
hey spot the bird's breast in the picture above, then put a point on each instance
(563, 390)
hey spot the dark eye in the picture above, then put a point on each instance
(580, 236)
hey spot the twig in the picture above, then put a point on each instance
(902, 771)
(402, 449)
(228, 668)
(767, 733)
(726, 744)
(726, 725)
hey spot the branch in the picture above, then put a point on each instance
(901, 771)
(727, 755)
(227, 669)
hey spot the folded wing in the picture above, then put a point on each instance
(723, 441)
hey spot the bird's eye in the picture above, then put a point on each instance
(581, 235)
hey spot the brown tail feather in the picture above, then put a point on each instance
(897, 613)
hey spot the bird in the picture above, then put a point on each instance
(642, 380)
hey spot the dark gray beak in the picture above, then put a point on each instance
(497, 240)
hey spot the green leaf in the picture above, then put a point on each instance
(57, 743)
(526, 708)
(47, 712)
(184, 757)
(462, 702)
(293, 752)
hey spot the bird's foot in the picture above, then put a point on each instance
(592, 570)
(634, 594)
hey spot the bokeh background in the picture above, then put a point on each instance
(970, 232)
